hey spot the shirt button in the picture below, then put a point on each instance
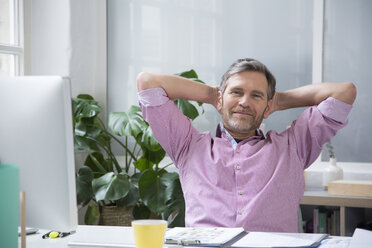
(238, 167)
(240, 212)
(237, 150)
(240, 192)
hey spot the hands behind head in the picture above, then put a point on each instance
(216, 97)
(273, 104)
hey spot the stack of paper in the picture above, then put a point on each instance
(263, 239)
(204, 236)
(103, 236)
(361, 239)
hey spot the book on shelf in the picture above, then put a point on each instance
(315, 220)
(322, 221)
(336, 224)
(329, 222)
(326, 220)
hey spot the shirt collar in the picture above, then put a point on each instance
(221, 129)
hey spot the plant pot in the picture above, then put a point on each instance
(115, 216)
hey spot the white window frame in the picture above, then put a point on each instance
(18, 48)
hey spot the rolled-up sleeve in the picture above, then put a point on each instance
(170, 127)
(317, 125)
(152, 97)
(335, 109)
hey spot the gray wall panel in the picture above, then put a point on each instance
(348, 57)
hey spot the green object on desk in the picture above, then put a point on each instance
(9, 207)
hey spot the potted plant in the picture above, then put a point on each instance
(141, 184)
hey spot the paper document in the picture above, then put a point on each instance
(361, 239)
(265, 239)
(212, 236)
(103, 236)
(336, 242)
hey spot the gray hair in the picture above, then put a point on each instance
(249, 64)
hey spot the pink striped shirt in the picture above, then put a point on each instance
(256, 184)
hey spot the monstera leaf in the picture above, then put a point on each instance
(185, 106)
(128, 123)
(91, 214)
(157, 188)
(148, 140)
(84, 106)
(143, 164)
(84, 189)
(89, 133)
(191, 74)
(175, 210)
(152, 190)
(111, 187)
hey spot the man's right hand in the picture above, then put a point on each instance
(215, 95)
(178, 87)
(313, 94)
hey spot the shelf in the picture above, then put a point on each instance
(322, 198)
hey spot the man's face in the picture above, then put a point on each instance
(244, 103)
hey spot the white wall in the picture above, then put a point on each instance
(88, 48)
(68, 38)
(49, 38)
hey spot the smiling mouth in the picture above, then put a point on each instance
(243, 113)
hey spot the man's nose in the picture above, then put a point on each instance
(244, 101)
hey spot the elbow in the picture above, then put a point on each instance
(351, 92)
(143, 81)
(345, 92)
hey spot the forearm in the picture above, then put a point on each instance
(178, 87)
(314, 94)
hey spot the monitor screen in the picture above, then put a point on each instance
(36, 135)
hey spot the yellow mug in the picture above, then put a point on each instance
(149, 233)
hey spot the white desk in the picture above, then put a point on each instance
(35, 240)
(124, 235)
(110, 233)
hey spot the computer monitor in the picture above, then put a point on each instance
(36, 134)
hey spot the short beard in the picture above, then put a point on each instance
(245, 127)
(237, 126)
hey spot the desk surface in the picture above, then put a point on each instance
(100, 233)
(36, 241)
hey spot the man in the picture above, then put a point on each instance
(240, 178)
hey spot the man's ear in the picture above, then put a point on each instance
(268, 109)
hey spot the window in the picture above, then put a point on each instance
(11, 37)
